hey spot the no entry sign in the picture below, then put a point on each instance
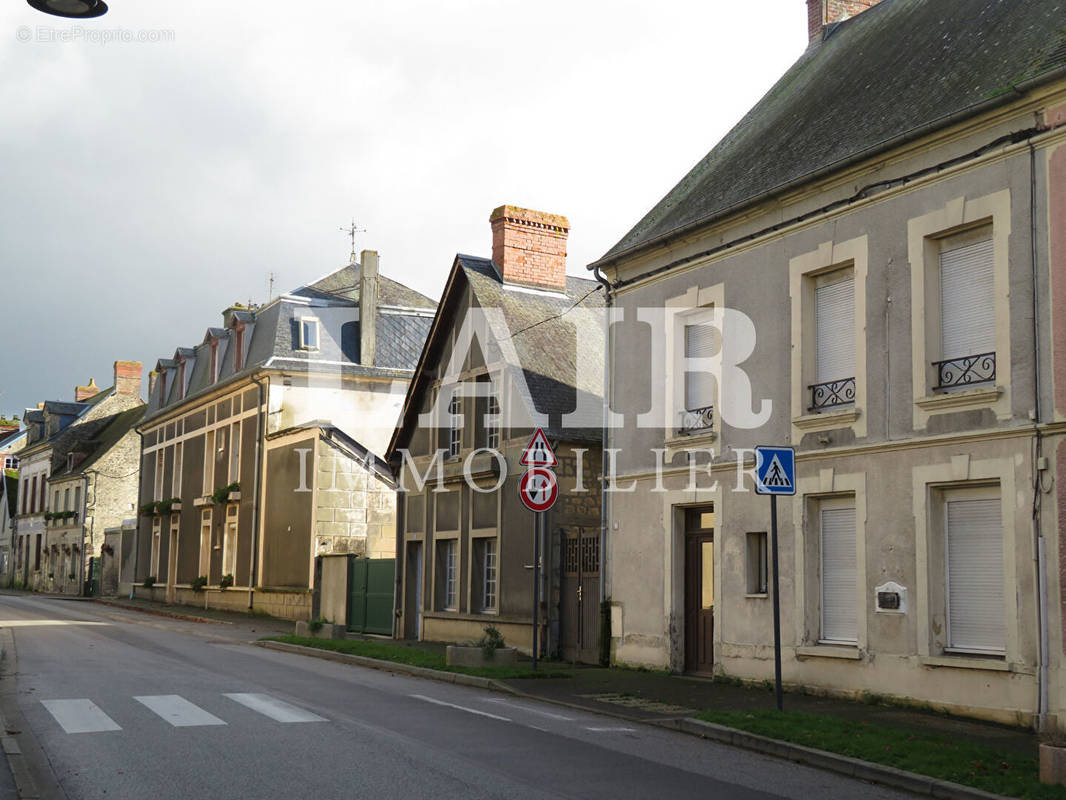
(539, 489)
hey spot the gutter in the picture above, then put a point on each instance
(605, 496)
(663, 240)
(260, 435)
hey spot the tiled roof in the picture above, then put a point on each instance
(902, 67)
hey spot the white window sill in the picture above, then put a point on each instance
(965, 398)
(695, 439)
(842, 651)
(989, 663)
(827, 420)
(757, 595)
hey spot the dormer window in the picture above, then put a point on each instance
(308, 333)
(238, 348)
(70, 462)
(162, 387)
(181, 379)
(214, 360)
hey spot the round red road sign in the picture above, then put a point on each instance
(539, 489)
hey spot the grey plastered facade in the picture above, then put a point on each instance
(274, 400)
(467, 497)
(880, 210)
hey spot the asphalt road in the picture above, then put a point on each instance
(116, 704)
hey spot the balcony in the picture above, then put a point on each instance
(697, 420)
(831, 394)
(966, 371)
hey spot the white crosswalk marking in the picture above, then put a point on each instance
(178, 711)
(276, 709)
(80, 716)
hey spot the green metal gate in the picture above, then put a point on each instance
(370, 594)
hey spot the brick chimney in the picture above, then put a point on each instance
(128, 378)
(821, 13)
(83, 393)
(368, 306)
(529, 247)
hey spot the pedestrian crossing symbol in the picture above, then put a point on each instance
(775, 470)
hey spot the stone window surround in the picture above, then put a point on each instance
(923, 236)
(803, 270)
(483, 533)
(810, 491)
(695, 301)
(962, 472)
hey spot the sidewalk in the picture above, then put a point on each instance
(258, 623)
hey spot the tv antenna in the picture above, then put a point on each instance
(352, 231)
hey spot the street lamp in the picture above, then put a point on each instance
(81, 9)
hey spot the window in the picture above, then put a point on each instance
(973, 550)
(33, 495)
(238, 348)
(77, 500)
(839, 572)
(181, 379)
(415, 514)
(701, 340)
(834, 341)
(447, 574)
(967, 312)
(162, 387)
(175, 485)
(43, 478)
(485, 563)
(157, 488)
(492, 423)
(308, 333)
(455, 425)
(66, 500)
(214, 360)
(209, 463)
(229, 544)
(757, 560)
(156, 542)
(205, 542)
(37, 554)
(235, 453)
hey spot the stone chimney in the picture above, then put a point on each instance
(822, 13)
(529, 247)
(83, 393)
(128, 378)
(153, 376)
(368, 306)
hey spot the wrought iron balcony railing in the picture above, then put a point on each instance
(696, 420)
(965, 371)
(832, 394)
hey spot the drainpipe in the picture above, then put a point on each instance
(137, 516)
(605, 433)
(260, 425)
(1040, 554)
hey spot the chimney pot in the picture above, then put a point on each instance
(529, 247)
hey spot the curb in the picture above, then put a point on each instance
(160, 613)
(844, 765)
(808, 756)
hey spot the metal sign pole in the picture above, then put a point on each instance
(777, 605)
(536, 586)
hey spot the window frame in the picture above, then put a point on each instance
(303, 325)
(757, 563)
(838, 503)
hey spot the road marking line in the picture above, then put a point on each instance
(277, 710)
(27, 623)
(611, 730)
(461, 708)
(80, 716)
(178, 711)
(547, 714)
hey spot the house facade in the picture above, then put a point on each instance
(868, 268)
(261, 446)
(77, 476)
(515, 345)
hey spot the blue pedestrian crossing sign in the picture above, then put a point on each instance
(775, 470)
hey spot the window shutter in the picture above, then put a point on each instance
(839, 622)
(976, 620)
(967, 301)
(700, 342)
(834, 321)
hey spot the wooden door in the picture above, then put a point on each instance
(699, 591)
(580, 595)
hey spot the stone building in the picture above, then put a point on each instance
(261, 446)
(78, 476)
(515, 345)
(870, 268)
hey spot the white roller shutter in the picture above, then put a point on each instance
(834, 322)
(974, 552)
(967, 300)
(839, 620)
(700, 342)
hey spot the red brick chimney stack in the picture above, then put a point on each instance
(529, 247)
(821, 13)
(128, 378)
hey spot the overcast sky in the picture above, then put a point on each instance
(147, 185)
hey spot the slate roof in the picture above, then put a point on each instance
(902, 68)
(94, 439)
(344, 284)
(547, 331)
(8, 439)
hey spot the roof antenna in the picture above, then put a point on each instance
(351, 231)
(270, 287)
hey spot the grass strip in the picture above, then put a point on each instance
(416, 657)
(950, 759)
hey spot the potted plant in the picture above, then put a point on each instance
(226, 581)
(149, 582)
(490, 650)
(149, 509)
(224, 494)
(199, 582)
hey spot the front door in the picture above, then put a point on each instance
(699, 590)
(580, 595)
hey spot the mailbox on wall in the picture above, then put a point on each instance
(891, 598)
